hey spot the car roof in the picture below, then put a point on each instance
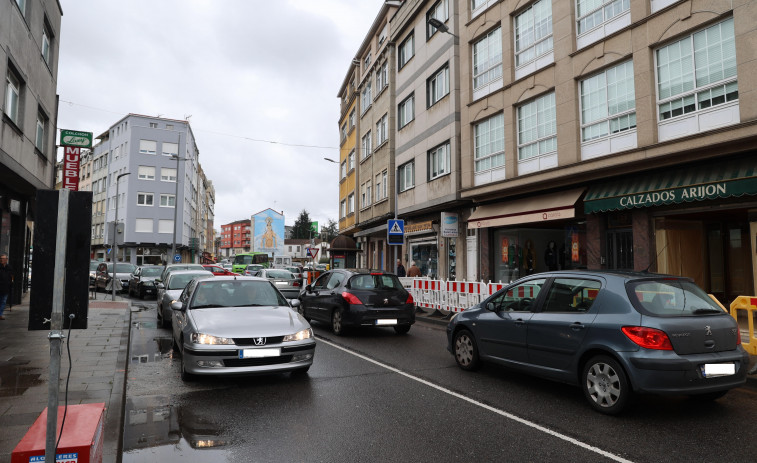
(190, 272)
(620, 274)
(239, 277)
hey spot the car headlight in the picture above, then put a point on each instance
(200, 338)
(300, 335)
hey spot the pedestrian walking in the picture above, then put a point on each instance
(414, 271)
(6, 282)
(400, 269)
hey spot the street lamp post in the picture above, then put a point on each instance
(115, 240)
(440, 26)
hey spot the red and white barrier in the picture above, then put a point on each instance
(448, 296)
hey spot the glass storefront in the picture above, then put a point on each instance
(451, 258)
(524, 251)
(149, 256)
(426, 257)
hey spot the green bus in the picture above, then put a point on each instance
(241, 261)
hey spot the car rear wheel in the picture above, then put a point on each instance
(402, 329)
(466, 351)
(336, 322)
(605, 385)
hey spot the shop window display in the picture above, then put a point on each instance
(426, 257)
(521, 252)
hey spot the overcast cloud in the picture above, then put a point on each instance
(243, 70)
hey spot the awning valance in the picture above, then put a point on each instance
(553, 206)
(723, 179)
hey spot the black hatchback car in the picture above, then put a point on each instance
(354, 298)
(611, 333)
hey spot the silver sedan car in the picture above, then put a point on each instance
(169, 291)
(232, 325)
(284, 280)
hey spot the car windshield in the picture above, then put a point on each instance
(282, 274)
(151, 271)
(235, 293)
(124, 268)
(672, 298)
(180, 281)
(377, 281)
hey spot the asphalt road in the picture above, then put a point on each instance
(377, 396)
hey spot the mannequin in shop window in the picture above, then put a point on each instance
(529, 258)
(550, 256)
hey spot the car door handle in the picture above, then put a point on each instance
(520, 321)
(577, 326)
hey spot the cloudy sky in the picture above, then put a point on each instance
(259, 79)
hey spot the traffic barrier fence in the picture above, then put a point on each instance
(744, 310)
(448, 296)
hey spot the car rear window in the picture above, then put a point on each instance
(151, 271)
(379, 281)
(672, 298)
(285, 274)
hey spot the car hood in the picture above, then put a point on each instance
(173, 294)
(230, 322)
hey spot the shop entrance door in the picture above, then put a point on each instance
(620, 249)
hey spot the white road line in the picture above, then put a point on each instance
(510, 416)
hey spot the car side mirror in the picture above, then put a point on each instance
(309, 288)
(294, 303)
(490, 307)
(159, 285)
(176, 305)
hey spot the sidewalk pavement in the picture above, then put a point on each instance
(99, 356)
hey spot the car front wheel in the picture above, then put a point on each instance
(605, 385)
(466, 351)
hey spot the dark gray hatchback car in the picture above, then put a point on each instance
(611, 333)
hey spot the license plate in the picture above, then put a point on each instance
(710, 370)
(259, 353)
(387, 321)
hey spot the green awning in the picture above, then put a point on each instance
(720, 179)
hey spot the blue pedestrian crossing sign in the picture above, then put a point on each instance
(395, 231)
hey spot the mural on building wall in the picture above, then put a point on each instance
(268, 232)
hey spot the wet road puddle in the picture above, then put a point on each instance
(152, 351)
(16, 378)
(156, 430)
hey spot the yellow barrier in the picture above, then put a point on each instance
(748, 304)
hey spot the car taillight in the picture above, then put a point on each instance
(409, 299)
(351, 298)
(648, 338)
(296, 283)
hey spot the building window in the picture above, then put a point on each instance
(47, 42)
(407, 176)
(367, 61)
(489, 143)
(146, 173)
(165, 226)
(14, 85)
(365, 97)
(487, 59)
(351, 161)
(352, 119)
(170, 149)
(148, 146)
(144, 199)
(382, 130)
(697, 72)
(343, 170)
(439, 161)
(167, 200)
(380, 194)
(406, 111)
(22, 6)
(153, 125)
(439, 11)
(608, 102)
(533, 32)
(343, 209)
(40, 138)
(366, 194)
(382, 77)
(593, 13)
(167, 174)
(143, 225)
(438, 86)
(366, 145)
(406, 50)
(351, 203)
(537, 127)
(344, 132)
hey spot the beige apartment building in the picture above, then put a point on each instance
(375, 145)
(347, 174)
(610, 135)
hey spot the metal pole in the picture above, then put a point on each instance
(115, 242)
(176, 202)
(56, 324)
